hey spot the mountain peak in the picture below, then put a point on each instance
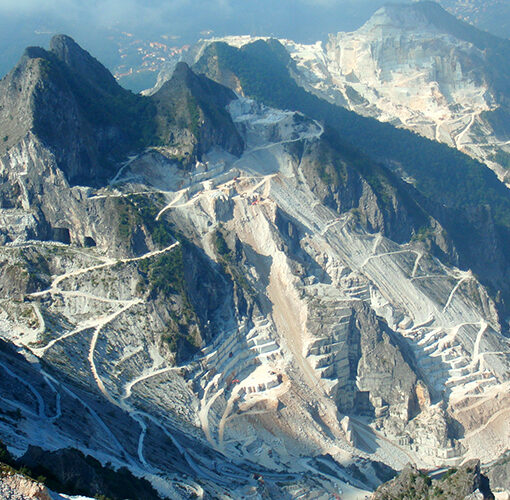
(198, 85)
(69, 52)
(429, 16)
(199, 103)
(82, 64)
(182, 69)
(60, 43)
(419, 15)
(184, 76)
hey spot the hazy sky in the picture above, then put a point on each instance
(32, 22)
(181, 15)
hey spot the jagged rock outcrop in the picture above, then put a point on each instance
(462, 483)
(74, 107)
(251, 325)
(498, 473)
(192, 118)
(18, 487)
(344, 180)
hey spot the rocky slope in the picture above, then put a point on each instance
(418, 67)
(17, 485)
(458, 191)
(264, 318)
(415, 66)
(461, 483)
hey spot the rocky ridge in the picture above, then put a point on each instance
(212, 325)
(463, 483)
(414, 66)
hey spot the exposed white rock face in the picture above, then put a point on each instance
(18, 487)
(15, 486)
(348, 345)
(400, 68)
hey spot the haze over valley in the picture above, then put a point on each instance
(280, 271)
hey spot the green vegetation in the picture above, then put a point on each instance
(194, 114)
(221, 245)
(137, 210)
(443, 174)
(179, 335)
(9, 465)
(503, 158)
(196, 104)
(164, 278)
(165, 274)
(455, 484)
(499, 120)
(449, 473)
(5, 456)
(147, 209)
(330, 168)
(423, 234)
(127, 220)
(110, 105)
(227, 259)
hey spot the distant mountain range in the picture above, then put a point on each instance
(135, 51)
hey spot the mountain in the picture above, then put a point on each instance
(492, 16)
(418, 67)
(191, 104)
(65, 94)
(463, 102)
(457, 186)
(245, 306)
(415, 66)
(460, 483)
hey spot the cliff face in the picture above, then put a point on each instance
(418, 67)
(273, 311)
(498, 473)
(69, 101)
(421, 188)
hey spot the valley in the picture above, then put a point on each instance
(226, 298)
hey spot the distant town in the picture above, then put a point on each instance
(141, 60)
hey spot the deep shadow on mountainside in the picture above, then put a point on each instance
(458, 191)
(73, 104)
(183, 280)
